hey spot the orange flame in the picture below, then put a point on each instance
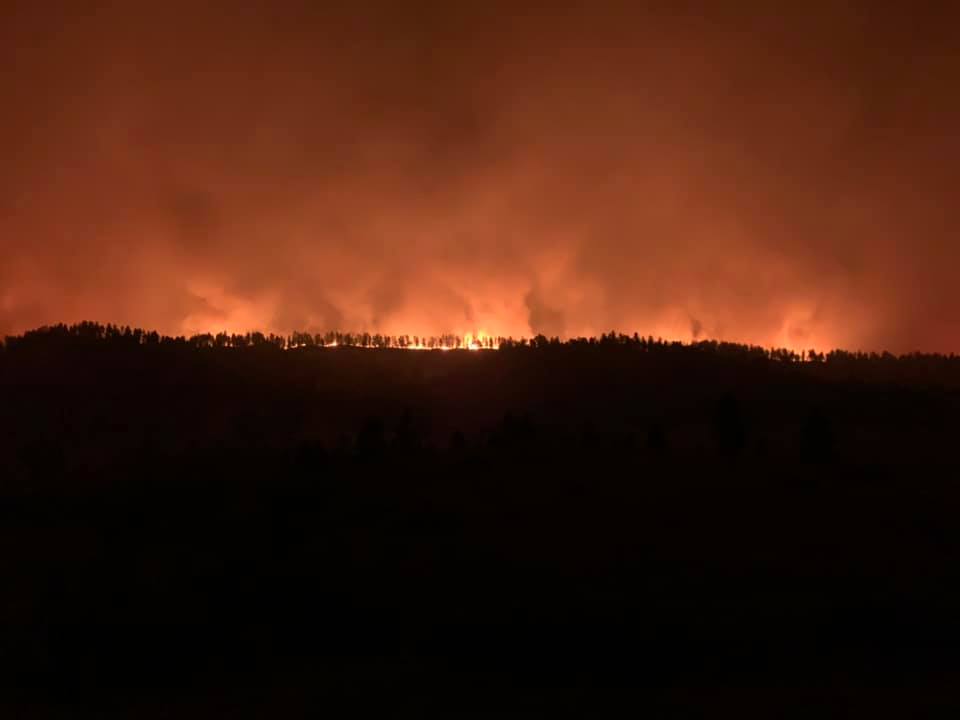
(481, 340)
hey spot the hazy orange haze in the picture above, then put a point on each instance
(778, 173)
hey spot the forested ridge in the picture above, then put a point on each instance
(931, 366)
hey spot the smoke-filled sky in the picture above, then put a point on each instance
(776, 173)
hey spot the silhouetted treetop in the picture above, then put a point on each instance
(931, 368)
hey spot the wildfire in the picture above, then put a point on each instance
(480, 341)
(470, 341)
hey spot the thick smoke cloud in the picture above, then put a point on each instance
(752, 172)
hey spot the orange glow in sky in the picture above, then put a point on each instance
(748, 172)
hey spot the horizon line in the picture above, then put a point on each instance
(479, 341)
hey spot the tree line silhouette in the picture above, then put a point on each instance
(88, 331)
(91, 331)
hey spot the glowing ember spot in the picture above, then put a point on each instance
(470, 341)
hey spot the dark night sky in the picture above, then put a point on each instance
(778, 173)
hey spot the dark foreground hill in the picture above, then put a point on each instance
(191, 530)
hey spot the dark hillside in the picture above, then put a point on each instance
(190, 529)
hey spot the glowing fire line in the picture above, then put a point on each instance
(470, 341)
